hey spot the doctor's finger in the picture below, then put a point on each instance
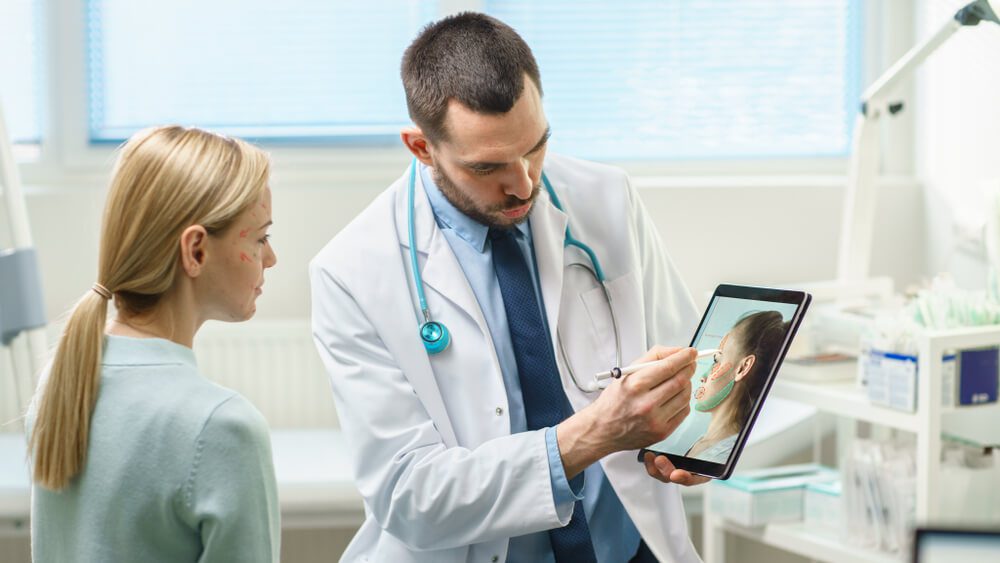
(650, 461)
(686, 478)
(652, 376)
(670, 403)
(678, 384)
(657, 353)
(671, 415)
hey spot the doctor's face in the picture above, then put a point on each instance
(490, 166)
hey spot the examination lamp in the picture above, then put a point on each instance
(854, 255)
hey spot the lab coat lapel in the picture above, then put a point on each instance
(548, 231)
(441, 270)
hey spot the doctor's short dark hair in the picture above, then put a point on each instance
(472, 58)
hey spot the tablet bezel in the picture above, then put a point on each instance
(802, 299)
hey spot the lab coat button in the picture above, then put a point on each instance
(499, 413)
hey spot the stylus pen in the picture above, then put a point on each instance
(622, 372)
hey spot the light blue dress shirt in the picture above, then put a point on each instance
(614, 536)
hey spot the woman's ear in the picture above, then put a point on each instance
(193, 241)
(744, 367)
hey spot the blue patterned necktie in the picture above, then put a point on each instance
(545, 403)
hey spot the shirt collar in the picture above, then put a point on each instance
(123, 350)
(448, 216)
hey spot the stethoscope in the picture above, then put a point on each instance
(436, 336)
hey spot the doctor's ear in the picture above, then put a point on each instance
(417, 142)
(193, 242)
(744, 367)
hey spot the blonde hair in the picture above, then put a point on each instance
(165, 180)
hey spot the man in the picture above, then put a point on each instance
(488, 450)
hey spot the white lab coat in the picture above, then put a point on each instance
(442, 477)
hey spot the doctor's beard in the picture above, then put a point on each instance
(492, 216)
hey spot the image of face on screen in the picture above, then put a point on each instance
(725, 387)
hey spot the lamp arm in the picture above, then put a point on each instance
(875, 94)
(858, 218)
(971, 14)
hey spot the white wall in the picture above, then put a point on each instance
(958, 138)
(757, 231)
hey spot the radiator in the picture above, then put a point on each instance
(273, 363)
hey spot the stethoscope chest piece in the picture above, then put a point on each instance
(435, 336)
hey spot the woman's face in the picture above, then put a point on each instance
(238, 257)
(729, 366)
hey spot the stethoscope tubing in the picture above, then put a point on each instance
(568, 241)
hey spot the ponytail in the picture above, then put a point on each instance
(59, 435)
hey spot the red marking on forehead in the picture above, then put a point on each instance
(244, 257)
(243, 233)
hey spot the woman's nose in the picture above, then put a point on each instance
(270, 257)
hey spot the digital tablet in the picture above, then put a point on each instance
(752, 328)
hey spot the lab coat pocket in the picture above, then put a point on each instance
(589, 325)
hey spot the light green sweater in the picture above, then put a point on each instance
(178, 469)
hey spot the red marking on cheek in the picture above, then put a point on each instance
(718, 370)
(244, 257)
(243, 233)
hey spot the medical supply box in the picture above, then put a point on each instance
(821, 508)
(968, 377)
(774, 494)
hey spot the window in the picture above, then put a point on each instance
(698, 79)
(20, 93)
(659, 80)
(297, 69)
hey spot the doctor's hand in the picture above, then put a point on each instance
(660, 467)
(633, 412)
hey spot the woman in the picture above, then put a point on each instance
(137, 457)
(735, 381)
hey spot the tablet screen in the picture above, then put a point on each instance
(749, 335)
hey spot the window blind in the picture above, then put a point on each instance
(644, 79)
(296, 69)
(695, 79)
(20, 93)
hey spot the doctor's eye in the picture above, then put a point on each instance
(483, 171)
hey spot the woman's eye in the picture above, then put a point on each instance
(265, 239)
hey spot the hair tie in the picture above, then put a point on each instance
(101, 290)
